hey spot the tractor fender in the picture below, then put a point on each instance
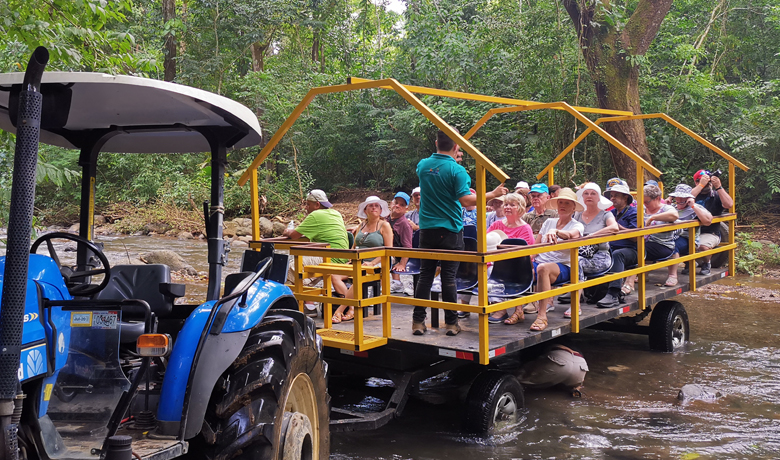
(217, 354)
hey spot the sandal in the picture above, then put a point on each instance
(337, 318)
(671, 281)
(349, 316)
(517, 317)
(498, 319)
(539, 325)
(627, 289)
(567, 313)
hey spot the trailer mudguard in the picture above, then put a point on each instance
(217, 354)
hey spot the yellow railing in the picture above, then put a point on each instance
(359, 341)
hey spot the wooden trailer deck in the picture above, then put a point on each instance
(507, 339)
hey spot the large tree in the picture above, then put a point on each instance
(614, 39)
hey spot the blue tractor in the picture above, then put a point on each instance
(99, 361)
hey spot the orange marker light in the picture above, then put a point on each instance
(153, 345)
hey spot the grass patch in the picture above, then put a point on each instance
(754, 257)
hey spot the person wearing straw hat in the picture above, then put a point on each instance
(444, 186)
(413, 216)
(498, 211)
(554, 267)
(374, 232)
(623, 251)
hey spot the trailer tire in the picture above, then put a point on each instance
(494, 401)
(669, 329)
(273, 398)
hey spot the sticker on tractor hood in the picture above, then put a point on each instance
(104, 319)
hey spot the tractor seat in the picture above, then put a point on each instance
(150, 283)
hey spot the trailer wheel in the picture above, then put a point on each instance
(669, 328)
(272, 403)
(494, 402)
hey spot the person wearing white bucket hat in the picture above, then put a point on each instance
(374, 232)
(413, 216)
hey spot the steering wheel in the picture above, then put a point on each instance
(67, 272)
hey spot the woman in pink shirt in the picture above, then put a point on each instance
(515, 227)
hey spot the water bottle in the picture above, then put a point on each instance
(291, 225)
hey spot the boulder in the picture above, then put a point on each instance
(98, 220)
(169, 258)
(243, 226)
(229, 229)
(74, 228)
(266, 227)
(172, 232)
(239, 244)
(157, 227)
(245, 239)
(185, 236)
(694, 391)
(138, 233)
(279, 228)
(243, 222)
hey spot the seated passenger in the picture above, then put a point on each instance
(497, 213)
(554, 267)
(522, 187)
(539, 196)
(323, 224)
(374, 232)
(623, 251)
(413, 216)
(687, 209)
(402, 237)
(554, 190)
(709, 192)
(513, 226)
(659, 246)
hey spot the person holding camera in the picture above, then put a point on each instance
(711, 195)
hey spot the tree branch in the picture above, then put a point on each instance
(644, 24)
(573, 8)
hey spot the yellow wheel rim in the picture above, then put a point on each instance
(302, 398)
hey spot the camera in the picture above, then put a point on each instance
(716, 173)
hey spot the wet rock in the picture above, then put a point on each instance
(243, 226)
(169, 258)
(185, 236)
(74, 228)
(202, 236)
(102, 231)
(694, 391)
(157, 227)
(279, 228)
(266, 227)
(98, 220)
(245, 239)
(239, 244)
(229, 229)
(138, 233)
(172, 232)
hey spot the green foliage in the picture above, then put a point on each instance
(753, 257)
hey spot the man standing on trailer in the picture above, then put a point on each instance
(445, 191)
(710, 194)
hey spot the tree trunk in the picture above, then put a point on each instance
(170, 47)
(258, 56)
(608, 54)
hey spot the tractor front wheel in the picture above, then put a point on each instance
(272, 403)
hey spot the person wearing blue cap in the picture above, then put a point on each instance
(402, 237)
(539, 196)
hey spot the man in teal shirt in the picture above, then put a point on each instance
(444, 188)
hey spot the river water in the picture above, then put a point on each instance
(629, 408)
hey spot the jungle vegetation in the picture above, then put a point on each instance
(712, 65)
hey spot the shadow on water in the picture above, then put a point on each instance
(629, 408)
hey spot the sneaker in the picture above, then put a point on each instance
(436, 287)
(565, 298)
(418, 328)
(396, 287)
(530, 308)
(452, 329)
(609, 301)
(464, 314)
(705, 268)
(409, 291)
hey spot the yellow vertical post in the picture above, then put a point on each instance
(732, 223)
(550, 178)
(575, 295)
(327, 306)
(386, 316)
(640, 246)
(299, 279)
(254, 206)
(482, 276)
(357, 291)
(692, 263)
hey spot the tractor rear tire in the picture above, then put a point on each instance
(272, 402)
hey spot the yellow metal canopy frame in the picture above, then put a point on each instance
(357, 340)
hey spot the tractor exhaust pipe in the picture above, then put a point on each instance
(28, 130)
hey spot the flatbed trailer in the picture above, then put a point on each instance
(382, 344)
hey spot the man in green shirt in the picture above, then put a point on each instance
(323, 224)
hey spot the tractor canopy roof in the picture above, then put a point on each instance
(144, 115)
